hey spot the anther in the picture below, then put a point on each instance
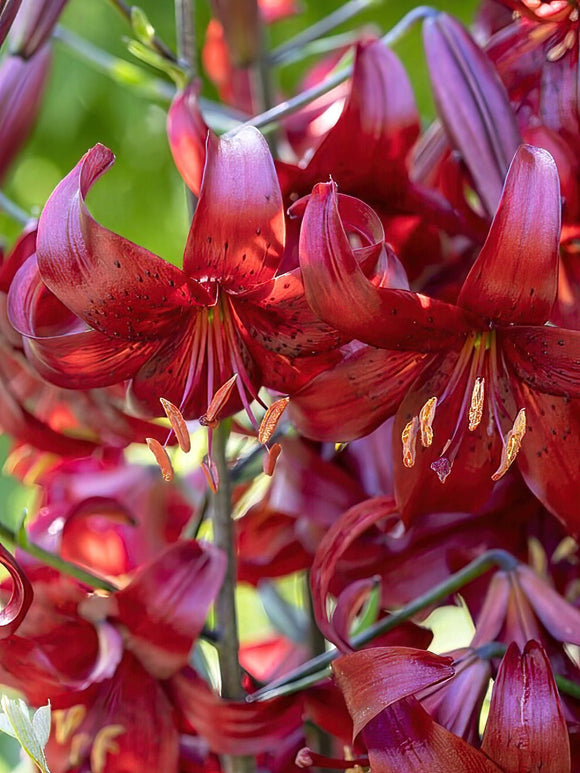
(270, 459)
(409, 438)
(161, 457)
(476, 406)
(512, 445)
(218, 402)
(271, 419)
(426, 416)
(211, 474)
(178, 424)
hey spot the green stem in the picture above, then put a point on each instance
(321, 28)
(156, 43)
(13, 210)
(186, 49)
(304, 98)
(567, 686)
(317, 668)
(226, 616)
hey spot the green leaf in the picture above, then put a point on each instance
(32, 738)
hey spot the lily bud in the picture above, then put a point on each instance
(33, 25)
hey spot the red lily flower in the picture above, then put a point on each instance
(473, 378)
(124, 313)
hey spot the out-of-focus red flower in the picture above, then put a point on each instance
(33, 25)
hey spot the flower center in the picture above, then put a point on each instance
(477, 377)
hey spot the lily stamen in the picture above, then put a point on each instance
(426, 416)
(409, 438)
(512, 444)
(476, 407)
(271, 418)
(178, 424)
(161, 457)
(217, 403)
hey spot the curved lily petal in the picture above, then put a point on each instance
(234, 727)
(546, 358)
(165, 605)
(473, 105)
(526, 729)
(373, 679)
(99, 275)
(548, 459)
(237, 234)
(339, 292)
(515, 277)
(187, 132)
(336, 541)
(355, 396)
(14, 611)
(404, 739)
(381, 113)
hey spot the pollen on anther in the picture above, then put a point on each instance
(426, 416)
(409, 439)
(476, 407)
(271, 419)
(512, 445)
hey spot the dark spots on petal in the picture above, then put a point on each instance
(171, 283)
(430, 320)
(209, 240)
(258, 231)
(267, 196)
(226, 245)
(532, 291)
(560, 343)
(394, 312)
(244, 256)
(139, 278)
(147, 272)
(117, 263)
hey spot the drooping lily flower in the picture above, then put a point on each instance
(480, 383)
(96, 309)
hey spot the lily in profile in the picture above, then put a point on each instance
(478, 384)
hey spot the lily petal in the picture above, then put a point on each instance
(404, 739)
(473, 105)
(15, 609)
(165, 605)
(355, 396)
(99, 275)
(373, 679)
(526, 729)
(515, 277)
(339, 292)
(237, 234)
(546, 358)
(187, 132)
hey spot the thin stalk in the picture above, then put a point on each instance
(317, 668)
(342, 14)
(156, 43)
(186, 50)
(290, 106)
(13, 210)
(225, 605)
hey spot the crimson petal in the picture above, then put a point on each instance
(526, 729)
(515, 277)
(546, 358)
(473, 105)
(355, 396)
(111, 283)
(339, 292)
(404, 739)
(14, 611)
(375, 678)
(165, 605)
(187, 132)
(237, 234)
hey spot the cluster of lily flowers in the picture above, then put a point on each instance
(388, 317)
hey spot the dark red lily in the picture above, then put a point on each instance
(474, 382)
(96, 309)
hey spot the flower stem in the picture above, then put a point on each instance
(186, 50)
(318, 667)
(304, 98)
(225, 605)
(13, 210)
(321, 28)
